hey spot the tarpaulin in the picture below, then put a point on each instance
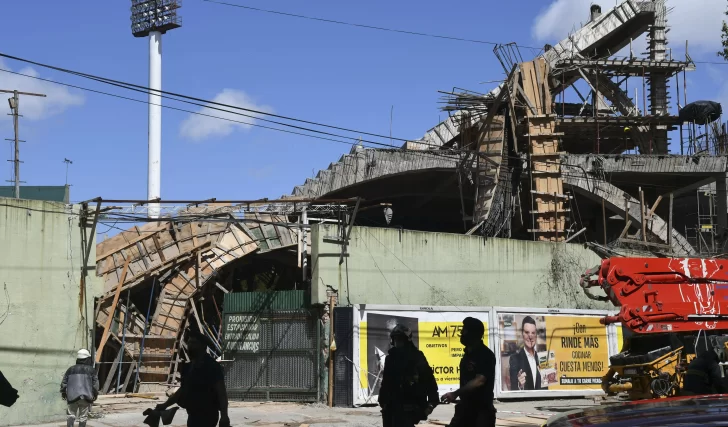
(701, 112)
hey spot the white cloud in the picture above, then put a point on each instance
(698, 21)
(197, 128)
(721, 83)
(58, 98)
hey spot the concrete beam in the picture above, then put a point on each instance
(614, 201)
(695, 186)
(365, 165)
(654, 164)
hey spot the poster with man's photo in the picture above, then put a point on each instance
(551, 352)
(436, 334)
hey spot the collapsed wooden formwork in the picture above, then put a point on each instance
(520, 117)
(173, 264)
(549, 212)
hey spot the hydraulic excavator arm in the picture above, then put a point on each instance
(663, 294)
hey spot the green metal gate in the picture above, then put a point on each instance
(270, 343)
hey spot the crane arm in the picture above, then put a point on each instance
(663, 294)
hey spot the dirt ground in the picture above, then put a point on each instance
(128, 412)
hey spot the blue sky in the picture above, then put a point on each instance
(334, 74)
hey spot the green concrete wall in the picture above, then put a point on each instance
(41, 323)
(389, 266)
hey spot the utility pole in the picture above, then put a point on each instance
(67, 162)
(14, 103)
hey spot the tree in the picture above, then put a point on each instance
(724, 41)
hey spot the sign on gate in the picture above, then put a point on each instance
(242, 333)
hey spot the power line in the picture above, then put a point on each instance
(371, 27)
(202, 103)
(207, 103)
(430, 154)
(355, 141)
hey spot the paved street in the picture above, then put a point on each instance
(511, 414)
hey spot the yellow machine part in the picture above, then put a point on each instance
(637, 378)
(619, 388)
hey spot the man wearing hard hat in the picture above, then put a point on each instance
(80, 388)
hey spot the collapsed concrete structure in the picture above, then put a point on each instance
(521, 162)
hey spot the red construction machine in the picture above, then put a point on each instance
(666, 305)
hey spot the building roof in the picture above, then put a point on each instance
(46, 193)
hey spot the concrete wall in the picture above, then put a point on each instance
(386, 266)
(41, 323)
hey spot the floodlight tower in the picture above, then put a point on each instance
(152, 18)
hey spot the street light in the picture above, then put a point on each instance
(153, 18)
(148, 16)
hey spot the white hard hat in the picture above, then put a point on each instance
(83, 354)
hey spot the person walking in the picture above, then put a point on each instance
(202, 390)
(477, 380)
(408, 393)
(703, 374)
(80, 388)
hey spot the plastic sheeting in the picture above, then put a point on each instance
(701, 112)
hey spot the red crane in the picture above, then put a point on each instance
(657, 295)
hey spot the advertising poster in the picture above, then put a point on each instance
(544, 352)
(436, 334)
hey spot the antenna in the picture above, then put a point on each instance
(67, 162)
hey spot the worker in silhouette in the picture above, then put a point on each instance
(477, 380)
(409, 390)
(8, 395)
(202, 391)
(703, 375)
(523, 366)
(80, 388)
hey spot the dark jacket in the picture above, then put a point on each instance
(80, 382)
(8, 395)
(408, 380)
(703, 375)
(519, 362)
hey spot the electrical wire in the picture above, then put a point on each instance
(207, 103)
(185, 99)
(357, 140)
(371, 27)
(428, 154)
(394, 294)
(354, 140)
(412, 271)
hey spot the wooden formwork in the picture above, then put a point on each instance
(177, 259)
(547, 192)
(491, 147)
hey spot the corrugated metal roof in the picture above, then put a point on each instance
(45, 193)
(247, 302)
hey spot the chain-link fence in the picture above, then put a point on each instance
(274, 358)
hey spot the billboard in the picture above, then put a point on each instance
(435, 333)
(551, 352)
(539, 352)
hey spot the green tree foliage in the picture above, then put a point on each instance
(724, 41)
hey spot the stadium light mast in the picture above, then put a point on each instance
(152, 18)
